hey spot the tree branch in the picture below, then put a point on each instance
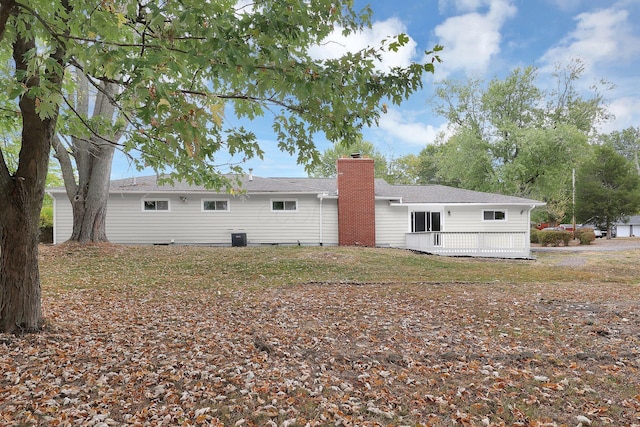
(5, 175)
(6, 9)
(66, 167)
(88, 126)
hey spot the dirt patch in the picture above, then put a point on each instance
(572, 262)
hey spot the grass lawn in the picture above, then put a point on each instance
(319, 336)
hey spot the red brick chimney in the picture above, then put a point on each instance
(356, 202)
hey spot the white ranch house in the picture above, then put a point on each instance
(352, 209)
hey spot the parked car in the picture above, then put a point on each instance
(567, 227)
(603, 230)
(542, 225)
(614, 231)
(595, 229)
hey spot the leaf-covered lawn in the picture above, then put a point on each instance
(326, 336)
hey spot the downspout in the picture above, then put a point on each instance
(528, 241)
(55, 222)
(321, 197)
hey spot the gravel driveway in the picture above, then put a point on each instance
(615, 244)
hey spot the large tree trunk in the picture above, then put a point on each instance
(90, 202)
(88, 190)
(21, 196)
(19, 274)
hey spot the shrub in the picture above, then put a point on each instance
(46, 216)
(585, 235)
(534, 235)
(46, 224)
(554, 237)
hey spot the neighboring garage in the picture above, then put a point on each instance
(629, 228)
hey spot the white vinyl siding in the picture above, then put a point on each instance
(471, 219)
(188, 223)
(391, 224)
(62, 219)
(329, 223)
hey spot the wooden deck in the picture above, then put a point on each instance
(485, 244)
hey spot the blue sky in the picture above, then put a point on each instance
(484, 39)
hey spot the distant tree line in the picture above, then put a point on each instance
(510, 136)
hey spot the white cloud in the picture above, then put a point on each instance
(627, 114)
(337, 45)
(601, 37)
(472, 40)
(404, 127)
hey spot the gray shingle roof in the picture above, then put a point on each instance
(255, 185)
(444, 194)
(405, 193)
(633, 219)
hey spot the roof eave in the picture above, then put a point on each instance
(532, 204)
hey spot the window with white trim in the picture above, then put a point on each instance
(284, 205)
(215, 205)
(155, 205)
(425, 221)
(494, 215)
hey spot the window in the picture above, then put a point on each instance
(425, 221)
(155, 205)
(494, 215)
(284, 205)
(215, 205)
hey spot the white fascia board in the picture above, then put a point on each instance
(52, 191)
(432, 205)
(392, 200)
(420, 206)
(210, 192)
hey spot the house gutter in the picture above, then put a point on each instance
(321, 197)
(427, 205)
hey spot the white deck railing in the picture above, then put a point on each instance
(487, 244)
